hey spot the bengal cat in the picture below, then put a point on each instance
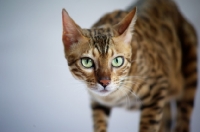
(141, 58)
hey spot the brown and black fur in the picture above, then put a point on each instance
(162, 57)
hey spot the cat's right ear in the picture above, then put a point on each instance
(125, 27)
(71, 31)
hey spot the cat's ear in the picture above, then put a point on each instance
(71, 31)
(125, 27)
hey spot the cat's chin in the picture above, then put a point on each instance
(102, 92)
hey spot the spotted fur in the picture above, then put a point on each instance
(158, 47)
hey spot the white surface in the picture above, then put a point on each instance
(37, 92)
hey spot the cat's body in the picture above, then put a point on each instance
(139, 59)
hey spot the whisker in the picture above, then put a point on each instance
(122, 83)
(127, 97)
(128, 89)
(133, 77)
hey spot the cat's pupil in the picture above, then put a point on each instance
(116, 60)
(87, 61)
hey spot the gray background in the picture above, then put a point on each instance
(37, 92)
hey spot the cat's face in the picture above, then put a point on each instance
(98, 57)
(102, 73)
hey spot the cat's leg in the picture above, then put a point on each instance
(152, 108)
(100, 114)
(185, 103)
(151, 117)
(184, 110)
(167, 119)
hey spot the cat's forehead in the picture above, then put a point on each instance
(95, 53)
(100, 38)
(101, 31)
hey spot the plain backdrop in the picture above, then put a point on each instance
(37, 92)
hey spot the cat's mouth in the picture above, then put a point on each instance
(104, 91)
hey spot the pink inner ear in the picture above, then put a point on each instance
(125, 23)
(125, 27)
(71, 31)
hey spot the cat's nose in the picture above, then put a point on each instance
(104, 82)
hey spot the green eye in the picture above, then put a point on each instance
(87, 62)
(118, 61)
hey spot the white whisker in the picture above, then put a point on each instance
(129, 90)
(127, 97)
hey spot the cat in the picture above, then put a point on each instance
(141, 58)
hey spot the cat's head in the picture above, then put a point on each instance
(100, 57)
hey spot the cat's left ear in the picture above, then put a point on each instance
(71, 31)
(125, 27)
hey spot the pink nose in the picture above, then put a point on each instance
(104, 82)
